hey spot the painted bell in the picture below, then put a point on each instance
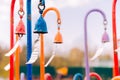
(105, 37)
(40, 26)
(58, 38)
(20, 29)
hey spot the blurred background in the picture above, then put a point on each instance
(69, 55)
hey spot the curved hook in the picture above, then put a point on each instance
(85, 38)
(77, 76)
(21, 5)
(94, 75)
(42, 41)
(96, 10)
(57, 13)
(116, 78)
(58, 21)
(48, 76)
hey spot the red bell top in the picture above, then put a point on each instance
(20, 29)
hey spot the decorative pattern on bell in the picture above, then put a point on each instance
(40, 26)
(105, 37)
(20, 29)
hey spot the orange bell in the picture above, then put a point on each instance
(58, 37)
(20, 29)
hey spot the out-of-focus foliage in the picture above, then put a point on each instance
(3, 62)
(75, 58)
(59, 61)
(23, 56)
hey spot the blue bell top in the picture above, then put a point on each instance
(40, 26)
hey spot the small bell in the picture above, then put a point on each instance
(105, 37)
(20, 29)
(40, 26)
(58, 37)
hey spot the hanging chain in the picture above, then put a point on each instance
(21, 11)
(105, 25)
(58, 24)
(41, 6)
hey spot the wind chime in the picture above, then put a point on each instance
(41, 29)
(105, 38)
(20, 31)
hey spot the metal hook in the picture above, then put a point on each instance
(59, 21)
(41, 7)
(105, 23)
(21, 13)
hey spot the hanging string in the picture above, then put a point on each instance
(21, 11)
(21, 5)
(42, 1)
